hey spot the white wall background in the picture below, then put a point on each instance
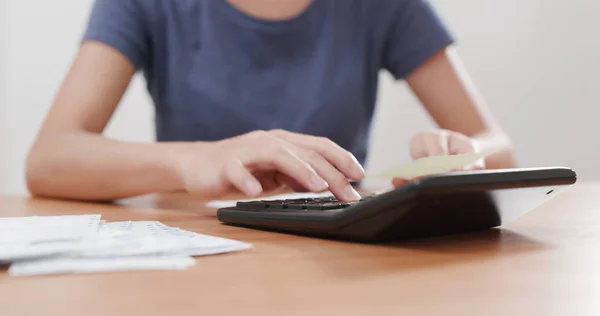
(536, 62)
(3, 86)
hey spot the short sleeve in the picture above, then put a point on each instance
(416, 34)
(120, 24)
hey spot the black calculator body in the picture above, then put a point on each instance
(448, 203)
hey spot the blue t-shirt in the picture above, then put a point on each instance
(215, 72)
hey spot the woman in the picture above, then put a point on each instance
(251, 95)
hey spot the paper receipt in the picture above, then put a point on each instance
(432, 165)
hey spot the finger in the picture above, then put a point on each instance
(285, 180)
(242, 178)
(268, 180)
(340, 158)
(462, 144)
(429, 144)
(338, 182)
(285, 161)
(398, 182)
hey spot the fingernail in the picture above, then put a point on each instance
(351, 194)
(317, 183)
(359, 167)
(361, 172)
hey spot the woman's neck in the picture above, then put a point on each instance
(271, 9)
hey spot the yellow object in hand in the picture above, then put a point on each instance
(432, 165)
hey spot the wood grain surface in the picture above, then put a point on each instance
(545, 263)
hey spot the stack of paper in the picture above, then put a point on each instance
(84, 243)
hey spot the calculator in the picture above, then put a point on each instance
(436, 205)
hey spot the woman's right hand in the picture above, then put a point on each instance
(262, 161)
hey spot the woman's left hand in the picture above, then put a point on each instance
(439, 143)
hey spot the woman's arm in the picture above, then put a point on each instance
(71, 159)
(447, 93)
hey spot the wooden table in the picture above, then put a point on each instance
(546, 263)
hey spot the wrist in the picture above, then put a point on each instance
(183, 157)
(171, 164)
